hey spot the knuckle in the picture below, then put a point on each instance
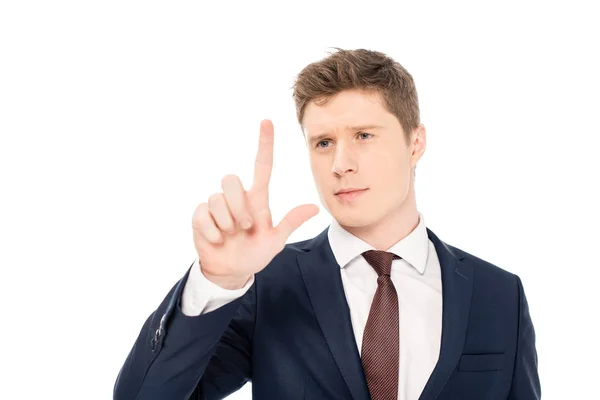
(200, 215)
(226, 224)
(212, 235)
(219, 213)
(229, 228)
(200, 209)
(204, 224)
(223, 221)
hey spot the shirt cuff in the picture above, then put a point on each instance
(201, 296)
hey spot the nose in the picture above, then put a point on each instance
(344, 161)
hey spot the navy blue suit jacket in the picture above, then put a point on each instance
(291, 335)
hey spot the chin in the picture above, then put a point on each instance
(353, 219)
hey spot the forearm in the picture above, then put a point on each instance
(168, 359)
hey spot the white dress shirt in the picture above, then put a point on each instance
(416, 277)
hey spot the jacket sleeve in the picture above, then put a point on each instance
(201, 296)
(525, 382)
(189, 357)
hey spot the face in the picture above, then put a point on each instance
(354, 142)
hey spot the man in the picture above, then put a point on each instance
(375, 306)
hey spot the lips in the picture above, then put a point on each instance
(349, 190)
(351, 195)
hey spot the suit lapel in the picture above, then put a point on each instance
(457, 288)
(321, 274)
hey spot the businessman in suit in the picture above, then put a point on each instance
(376, 306)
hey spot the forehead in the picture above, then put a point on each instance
(347, 110)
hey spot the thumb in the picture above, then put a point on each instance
(294, 219)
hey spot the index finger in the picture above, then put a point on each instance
(264, 157)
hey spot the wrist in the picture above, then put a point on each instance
(227, 282)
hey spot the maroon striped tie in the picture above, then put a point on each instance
(380, 346)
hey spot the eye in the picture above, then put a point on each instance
(322, 141)
(365, 133)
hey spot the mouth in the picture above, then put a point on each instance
(348, 195)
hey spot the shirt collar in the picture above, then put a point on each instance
(414, 248)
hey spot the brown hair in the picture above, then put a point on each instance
(359, 69)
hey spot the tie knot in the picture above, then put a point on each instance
(381, 261)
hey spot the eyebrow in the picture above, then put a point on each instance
(322, 136)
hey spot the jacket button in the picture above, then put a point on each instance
(158, 334)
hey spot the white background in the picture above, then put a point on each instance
(117, 118)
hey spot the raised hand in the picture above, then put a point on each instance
(234, 233)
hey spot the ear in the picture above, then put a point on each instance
(418, 143)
